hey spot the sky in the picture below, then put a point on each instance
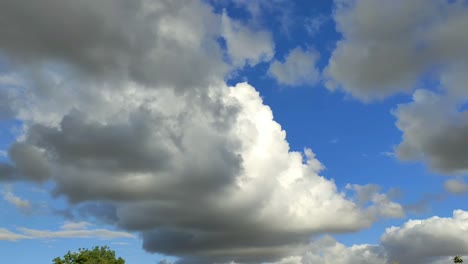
(234, 131)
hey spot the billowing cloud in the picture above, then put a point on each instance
(149, 168)
(388, 47)
(298, 68)
(131, 121)
(399, 46)
(329, 251)
(434, 240)
(435, 131)
(144, 40)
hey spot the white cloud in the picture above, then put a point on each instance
(434, 240)
(75, 225)
(422, 241)
(328, 251)
(299, 67)
(63, 232)
(3, 153)
(11, 236)
(161, 135)
(78, 233)
(22, 204)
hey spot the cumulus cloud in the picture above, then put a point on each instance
(433, 131)
(144, 40)
(298, 68)
(131, 120)
(247, 182)
(387, 47)
(434, 240)
(329, 251)
(396, 47)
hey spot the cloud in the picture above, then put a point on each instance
(434, 240)
(117, 38)
(380, 203)
(63, 232)
(390, 48)
(147, 162)
(433, 131)
(422, 241)
(387, 48)
(22, 204)
(75, 225)
(455, 186)
(131, 120)
(246, 45)
(298, 68)
(11, 236)
(329, 251)
(78, 233)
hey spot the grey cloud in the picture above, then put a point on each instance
(386, 48)
(205, 174)
(456, 186)
(433, 131)
(424, 204)
(8, 172)
(189, 177)
(390, 48)
(298, 68)
(116, 38)
(30, 161)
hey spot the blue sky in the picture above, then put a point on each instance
(218, 131)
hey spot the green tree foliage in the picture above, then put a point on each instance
(97, 255)
(457, 259)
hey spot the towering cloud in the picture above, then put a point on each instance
(126, 111)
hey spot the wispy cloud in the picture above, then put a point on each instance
(10, 79)
(6, 234)
(22, 204)
(68, 230)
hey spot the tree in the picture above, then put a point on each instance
(97, 255)
(457, 259)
